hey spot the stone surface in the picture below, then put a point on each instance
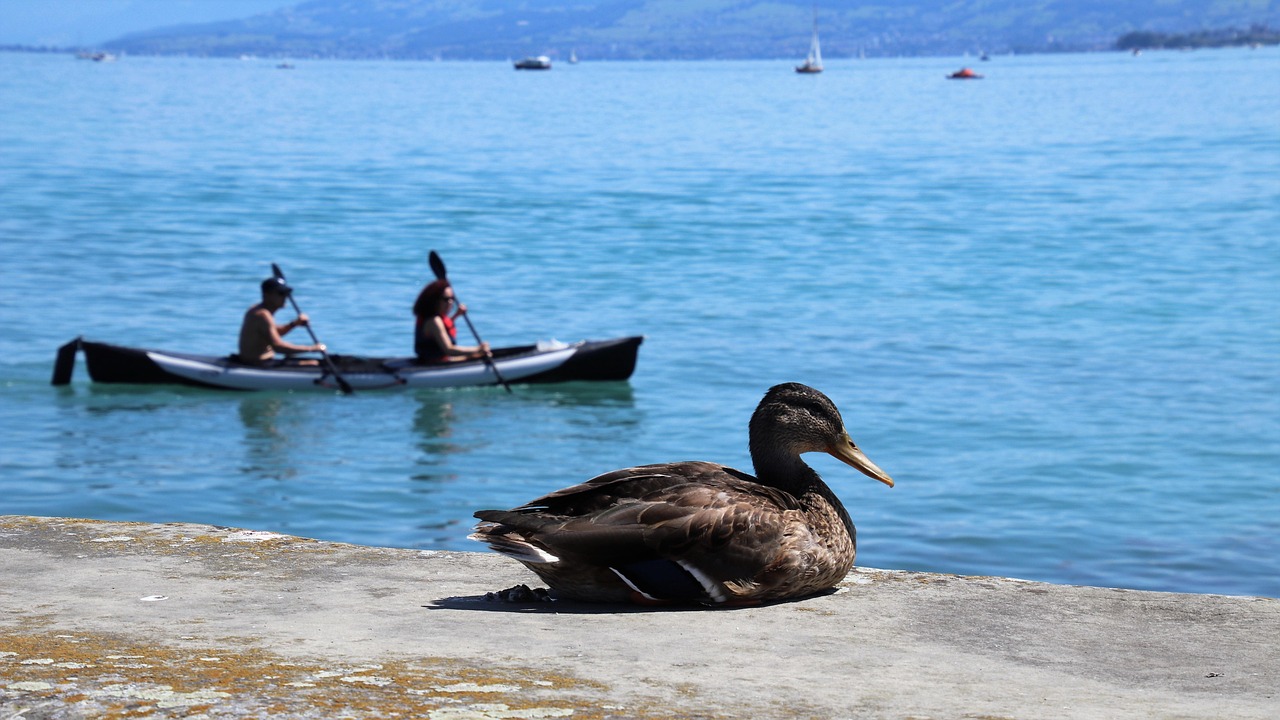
(113, 620)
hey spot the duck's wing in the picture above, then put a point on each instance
(679, 531)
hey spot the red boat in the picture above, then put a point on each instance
(964, 74)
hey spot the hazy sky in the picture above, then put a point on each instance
(87, 22)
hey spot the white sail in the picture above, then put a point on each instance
(815, 49)
(813, 63)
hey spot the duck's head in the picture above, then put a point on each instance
(794, 419)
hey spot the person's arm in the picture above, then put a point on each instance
(481, 350)
(299, 321)
(435, 329)
(279, 344)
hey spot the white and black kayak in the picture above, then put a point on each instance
(542, 363)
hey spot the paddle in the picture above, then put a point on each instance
(328, 361)
(437, 267)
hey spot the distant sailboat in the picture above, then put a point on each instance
(573, 57)
(813, 63)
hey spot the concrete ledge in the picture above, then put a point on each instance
(115, 620)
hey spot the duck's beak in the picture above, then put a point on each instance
(848, 453)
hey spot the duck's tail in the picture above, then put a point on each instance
(505, 540)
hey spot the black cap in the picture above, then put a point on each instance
(276, 285)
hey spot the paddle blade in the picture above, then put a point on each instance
(343, 385)
(275, 270)
(437, 266)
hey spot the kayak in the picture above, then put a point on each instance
(546, 362)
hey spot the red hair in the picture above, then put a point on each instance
(429, 299)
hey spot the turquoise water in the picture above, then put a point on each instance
(1046, 302)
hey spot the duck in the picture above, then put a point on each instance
(695, 532)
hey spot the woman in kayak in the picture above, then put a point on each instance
(435, 338)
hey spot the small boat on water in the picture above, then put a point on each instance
(541, 62)
(603, 360)
(964, 74)
(813, 63)
(96, 56)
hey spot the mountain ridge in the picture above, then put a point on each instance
(688, 29)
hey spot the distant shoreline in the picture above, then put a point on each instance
(1255, 36)
(39, 50)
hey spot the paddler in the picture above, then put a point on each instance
(435, 337)
(261, 338)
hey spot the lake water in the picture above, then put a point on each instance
(1046, 301)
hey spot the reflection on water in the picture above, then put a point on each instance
(260, 415)
(438, 414)
(471, 433)
(104, 399)
(481, 448)
(432, 420)
(433, 430)
(266, 442)
(581, 394)
(404, 469)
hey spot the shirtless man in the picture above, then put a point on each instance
(261, 338)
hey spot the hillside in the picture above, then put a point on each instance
(689, 29)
